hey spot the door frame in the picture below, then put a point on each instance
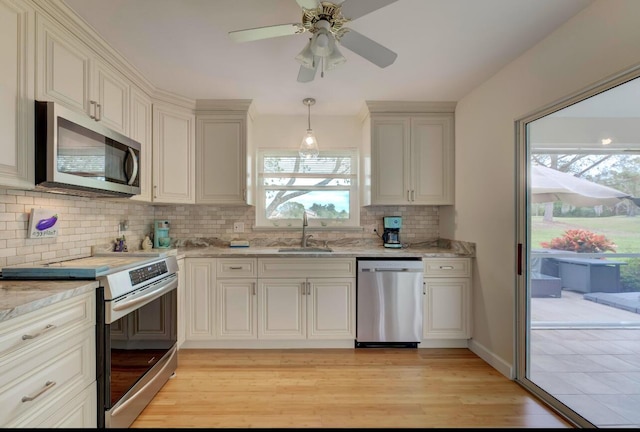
(523, 236)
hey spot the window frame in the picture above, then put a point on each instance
(327, 224)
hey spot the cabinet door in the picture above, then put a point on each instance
(200, 298)
(390, 154)
(432, 159)
(181, 321)
(173, 154)
(63, 66)
(110, 94)
(447, 308)
(331, 308)
(236, 311)
(282, 312)
(140, 116)
(16, 94)
(221, 159)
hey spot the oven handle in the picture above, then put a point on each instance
(157, 292)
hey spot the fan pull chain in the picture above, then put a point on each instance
(321, 67)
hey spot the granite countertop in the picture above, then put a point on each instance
(214, 248)
(18, 297)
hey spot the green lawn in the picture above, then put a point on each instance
(624, 231)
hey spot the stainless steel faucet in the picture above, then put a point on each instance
(305, 237)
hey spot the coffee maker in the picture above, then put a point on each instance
(161, 239)
(391, 233)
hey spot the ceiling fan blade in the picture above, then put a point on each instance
(367, 48)
(308, 4)
(266, 32)
(306, 74)
(353, 9)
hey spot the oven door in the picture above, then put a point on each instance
(139, 351)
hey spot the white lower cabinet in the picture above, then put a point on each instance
(200, 298)
(447, 299)
(48, 373)
(313, 308)
(269, 299)
(237, 298)
(292, 306)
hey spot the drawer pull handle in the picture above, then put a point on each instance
(235, 268)
(446, 267)
(40, 333)
(46, 387)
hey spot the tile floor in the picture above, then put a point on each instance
(587, 355)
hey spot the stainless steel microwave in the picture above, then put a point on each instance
(77, 155)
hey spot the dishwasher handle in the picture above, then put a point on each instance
(394, 270)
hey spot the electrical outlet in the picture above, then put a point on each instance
(238, 227)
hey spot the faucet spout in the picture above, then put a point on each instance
(305, 223)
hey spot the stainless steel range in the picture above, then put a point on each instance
(136, 326)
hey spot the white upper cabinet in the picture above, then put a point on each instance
(223, 167)
(173, 154)
(109, 97)
(63, 66)
(140, 121)
(408, 157)
(16, 94)
(70, 73)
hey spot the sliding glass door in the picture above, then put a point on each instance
(578, 298)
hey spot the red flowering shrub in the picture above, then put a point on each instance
(580, 240)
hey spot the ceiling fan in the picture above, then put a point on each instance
(326, 23)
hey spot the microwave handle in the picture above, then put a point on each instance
(134, 171)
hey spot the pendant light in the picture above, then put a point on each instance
(309, 144)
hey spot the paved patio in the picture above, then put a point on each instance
(587, 355)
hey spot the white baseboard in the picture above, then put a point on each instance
(493, 360)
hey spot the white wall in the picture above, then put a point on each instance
(602, 40)
(280, 131)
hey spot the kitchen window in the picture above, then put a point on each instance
(325, 187)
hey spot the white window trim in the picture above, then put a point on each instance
(320, 224)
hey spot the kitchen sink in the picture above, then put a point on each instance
(306, 249)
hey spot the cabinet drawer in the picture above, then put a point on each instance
(32, 382)
(306, 267)
(43, 324)
(237, 268)
(447, 267)
(79, 412)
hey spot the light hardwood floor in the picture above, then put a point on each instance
(341, 388)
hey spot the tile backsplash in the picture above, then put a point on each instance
(82, 224)
(86, 223)
(419, 223)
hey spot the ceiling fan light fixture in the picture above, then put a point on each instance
(335, 59)
(323, 43)
(305, 58)
(309, 145)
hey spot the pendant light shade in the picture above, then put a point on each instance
(309, 144)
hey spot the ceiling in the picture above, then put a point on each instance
(445, 48)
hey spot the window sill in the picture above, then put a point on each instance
(308, 228)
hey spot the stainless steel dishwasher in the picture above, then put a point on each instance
(389, 302)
